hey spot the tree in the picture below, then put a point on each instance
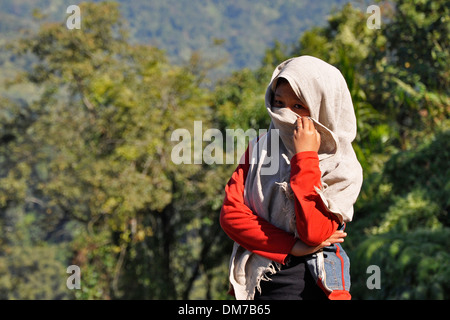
(100, 132)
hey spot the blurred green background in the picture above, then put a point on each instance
(86, 118)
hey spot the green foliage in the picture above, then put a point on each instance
(427, 169)
(239, 102)
(408, 212)
(414, 265)
(419, 35)
(98, 136)
(32, 273)
(404, 226)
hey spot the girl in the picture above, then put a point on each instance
(288, 225)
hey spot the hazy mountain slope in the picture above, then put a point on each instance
(243, 28)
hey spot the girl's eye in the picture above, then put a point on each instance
(299, 106)
(278, 103)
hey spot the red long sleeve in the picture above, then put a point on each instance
(314, 223)
(246, 228)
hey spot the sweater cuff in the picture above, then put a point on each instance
(312, 156)
(305, 155)
(279, 257)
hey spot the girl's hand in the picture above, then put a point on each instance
(306, 137)
(300, 249)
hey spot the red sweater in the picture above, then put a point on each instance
(314, 223)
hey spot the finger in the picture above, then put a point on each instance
(338, 235)
(311, 124)
(308, 124)
(298, 123)
(338, 240)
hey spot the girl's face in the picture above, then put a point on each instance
(285, 97)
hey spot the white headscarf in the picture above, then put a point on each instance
(322, 88)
